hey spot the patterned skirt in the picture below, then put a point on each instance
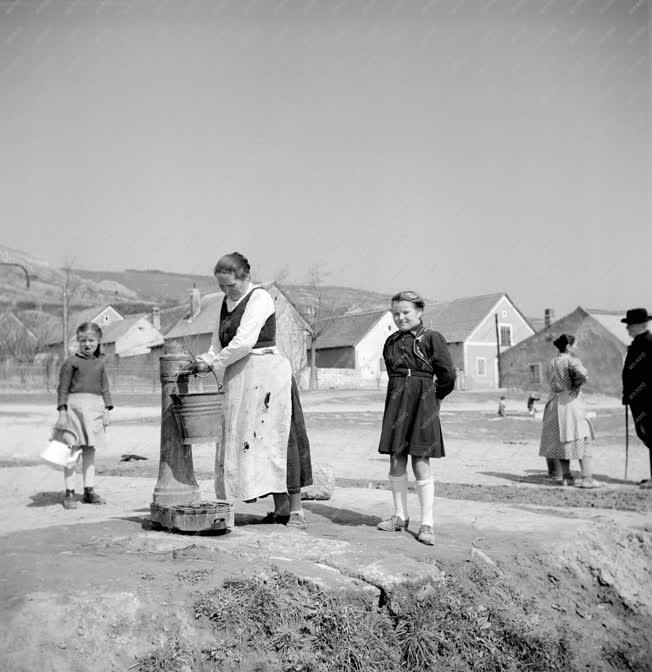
(551, 446)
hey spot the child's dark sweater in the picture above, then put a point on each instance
(83, 374)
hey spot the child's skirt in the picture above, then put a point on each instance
(411, 419)
(86, 418)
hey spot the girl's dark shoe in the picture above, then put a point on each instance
(91, 497)
(69, 500)
(567, 480)
(274, 518)
(426, 535)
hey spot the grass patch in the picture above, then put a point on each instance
(279, 623)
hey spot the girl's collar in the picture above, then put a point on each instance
(417, 331)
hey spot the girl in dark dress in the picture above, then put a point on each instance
(421, 374)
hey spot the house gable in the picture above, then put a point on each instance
(139, 338)
(508, 316)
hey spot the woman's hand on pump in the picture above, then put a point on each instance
(201, 366)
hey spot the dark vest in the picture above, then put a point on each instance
(230, 321)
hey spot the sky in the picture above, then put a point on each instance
(453, 147)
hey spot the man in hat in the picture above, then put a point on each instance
(637, 378)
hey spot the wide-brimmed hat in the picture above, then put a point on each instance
(636, 316)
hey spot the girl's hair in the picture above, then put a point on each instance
(235, 263)
(95, 328)
(563, 341)
(412, 297)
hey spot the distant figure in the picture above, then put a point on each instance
(413, 356)
(531, 408)
(637, 378)
(84, 402)
(502, 406)
(566, 433)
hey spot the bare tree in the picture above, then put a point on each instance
(71, 284)
(317, 317)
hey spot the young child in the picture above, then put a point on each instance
(413, 356)
(84, 402)
(502, 406)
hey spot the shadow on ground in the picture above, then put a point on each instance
(342, 516)
(47, 498)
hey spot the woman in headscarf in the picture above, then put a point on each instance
(567, 433)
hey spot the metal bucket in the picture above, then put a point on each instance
(198, 415)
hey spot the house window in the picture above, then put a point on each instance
(481, 366)
(505, 335)
(389, 327)
(535, 372)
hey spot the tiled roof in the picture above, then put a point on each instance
(74, 320)
(203, 323)
(346, 330)
(610, 320)
(456, 320)
(170, 316)
(115, 330)
(537, 323)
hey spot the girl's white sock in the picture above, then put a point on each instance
(426, 494)
(399, 485)
(69, 478)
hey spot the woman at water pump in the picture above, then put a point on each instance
(264, 447)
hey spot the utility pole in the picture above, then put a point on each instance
(65, 319)
(497, 348)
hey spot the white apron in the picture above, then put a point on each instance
(571, 412)
(251, 457)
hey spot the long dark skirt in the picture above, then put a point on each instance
(411, 419)
(299, 465)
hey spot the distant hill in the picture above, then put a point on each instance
(172, 289)
(134, 291)
(335, 300)
(46, 283)
(163, 288)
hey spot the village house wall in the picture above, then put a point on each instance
(524, 366)
(369, 350)
(481, 370)
(335, 358)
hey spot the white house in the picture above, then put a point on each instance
(130, 336)
(349, 349)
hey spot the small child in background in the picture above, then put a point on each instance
(502, 406)
(531, 408)
(84, 402)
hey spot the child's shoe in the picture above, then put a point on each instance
(426, 535)
(91, 497)
(69, 500)
(298, 521)
(567, 481)
(393, 524)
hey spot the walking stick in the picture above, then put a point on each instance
(626, 438)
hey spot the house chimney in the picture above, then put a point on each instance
(156, 318)
(547, 321)
(195, 301)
